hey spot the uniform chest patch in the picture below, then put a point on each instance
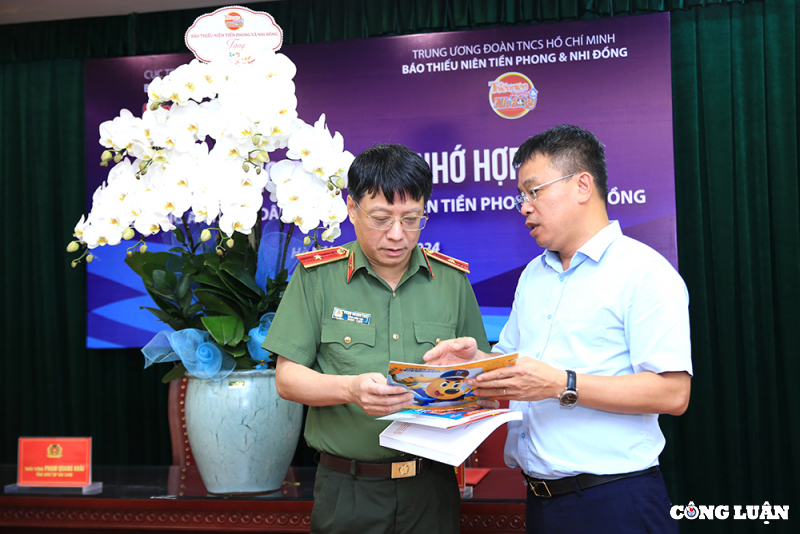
(351, 316)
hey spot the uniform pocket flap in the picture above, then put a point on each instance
(433, 332)
(348, 334)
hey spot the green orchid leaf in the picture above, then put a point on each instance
(197, 262)
(182, 287)
(178, 233)
(237, 290)
(212, 262)
(176, 372)
(282, 276)
(172, 322)
(165, 279)
(245, 363)
(226, 330)
(237, 351)
(212, 302)
(136, 262)
(184, 302)
(194, 309)
(210, 280)
(246, 278)
(165, 304)
(196, 322)
(160, 287)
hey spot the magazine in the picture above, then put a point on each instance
(445, 422)
(444, 417)
(443, 386)
(447, 445)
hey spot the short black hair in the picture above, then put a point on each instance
(572, 149)
(390, 169)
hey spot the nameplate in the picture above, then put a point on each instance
(54, 462)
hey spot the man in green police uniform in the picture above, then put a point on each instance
(338, 326)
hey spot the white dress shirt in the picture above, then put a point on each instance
(619, 309)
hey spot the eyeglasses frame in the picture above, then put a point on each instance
(523, 198)
(396, 219)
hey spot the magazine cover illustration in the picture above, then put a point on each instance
(436, 387)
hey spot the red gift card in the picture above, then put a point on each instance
(58, 462)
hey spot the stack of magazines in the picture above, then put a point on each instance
(445, 422)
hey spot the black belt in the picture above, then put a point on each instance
(560, 486)
(403, 468)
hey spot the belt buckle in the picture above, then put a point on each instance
(404, 469)
(534, 484)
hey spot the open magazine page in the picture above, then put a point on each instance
(443, 386)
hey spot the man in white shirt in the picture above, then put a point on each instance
(601, 324)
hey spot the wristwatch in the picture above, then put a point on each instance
(569, 397)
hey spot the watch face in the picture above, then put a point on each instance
(568, 398)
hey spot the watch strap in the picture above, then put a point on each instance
(572, 381)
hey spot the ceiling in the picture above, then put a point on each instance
(18, 11)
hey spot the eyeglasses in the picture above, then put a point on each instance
(522, 198)
(410, 223)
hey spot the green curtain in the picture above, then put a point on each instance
(735, 119)
(735, 71)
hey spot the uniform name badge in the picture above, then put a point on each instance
(351, 316)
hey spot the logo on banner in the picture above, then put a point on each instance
(234, 21)
(222, 35)
(512, 95)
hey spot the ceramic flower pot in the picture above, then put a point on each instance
(242, 434)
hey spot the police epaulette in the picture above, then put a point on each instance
(444, 258)
(326, 255)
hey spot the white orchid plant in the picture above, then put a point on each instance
(196, 164)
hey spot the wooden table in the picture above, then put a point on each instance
(169, 499)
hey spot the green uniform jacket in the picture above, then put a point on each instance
(348, 328)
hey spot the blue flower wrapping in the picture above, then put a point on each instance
(270, 250)
(257, 336)
(201, 357)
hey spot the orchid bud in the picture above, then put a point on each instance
(230, 243)
(307, 241)
(330, 186)
(262, 157)
(128, 234)
(106, 156)
(205, 235)
(246, 167)
(258, 170)
(256, 139)
(340, 183)
(74, 263)
(73, 246)
(117, 158)
(89, 258)
(142, 166)
(130, 253)
(154, 106)
(143, 249)
(220, 252)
